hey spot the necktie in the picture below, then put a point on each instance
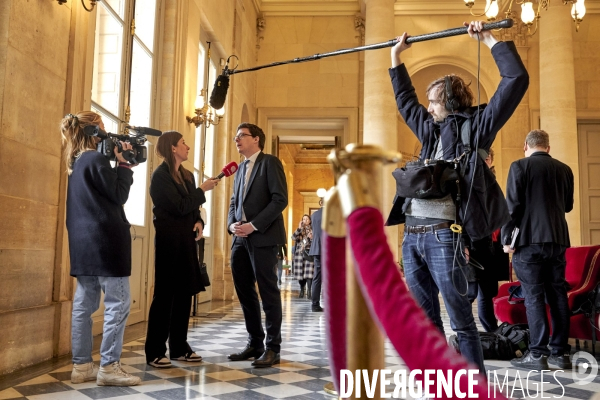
(240, 195)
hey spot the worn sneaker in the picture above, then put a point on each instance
(190, 357)
(561, 361)
(84, 372)
(530, 361)
(160, 362)
(114, 375)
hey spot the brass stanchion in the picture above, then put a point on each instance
(360, 185)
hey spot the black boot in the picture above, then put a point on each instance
(309, 289)
(302, 288)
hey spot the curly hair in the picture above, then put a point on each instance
(460, 89)
(74, 139)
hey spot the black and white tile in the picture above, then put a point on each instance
(302, 374)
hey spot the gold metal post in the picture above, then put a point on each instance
(359, 184)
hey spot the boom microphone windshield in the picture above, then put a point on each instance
(228, 170)
(219, 92)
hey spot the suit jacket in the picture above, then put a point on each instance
(315, 247)
(539, 192)
(266, 198)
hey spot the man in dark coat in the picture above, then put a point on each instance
(434, 256)
(256, 222)
(315, 251)
(539, 192)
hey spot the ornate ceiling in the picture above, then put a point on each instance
(351, 7)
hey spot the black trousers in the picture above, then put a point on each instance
(541, 269)
(316, 283)
(169, 318)
(250, 265)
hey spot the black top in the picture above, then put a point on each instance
(176, 211)
(99, 239)
(539, 192)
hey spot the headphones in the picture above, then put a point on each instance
(451, 103)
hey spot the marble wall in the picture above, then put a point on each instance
(33, 81)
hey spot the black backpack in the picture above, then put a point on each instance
(518, 335)
(505, 343)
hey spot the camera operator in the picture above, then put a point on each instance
(99, 249)
(177, 272)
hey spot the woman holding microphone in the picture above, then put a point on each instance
(178, 225)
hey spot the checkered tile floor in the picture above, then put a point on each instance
(301, 375)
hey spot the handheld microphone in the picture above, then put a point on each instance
(219, 92)
(228, 170)
(144, 131)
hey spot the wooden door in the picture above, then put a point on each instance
(589, 167)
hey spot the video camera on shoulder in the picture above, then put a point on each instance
(137, 139)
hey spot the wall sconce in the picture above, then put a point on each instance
(528, 15)
(92, 4)
(321, 192)
(205, 114)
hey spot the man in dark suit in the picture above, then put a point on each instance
(315, 251)
(255, 220)
(539, 192)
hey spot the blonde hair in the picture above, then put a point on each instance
(75, 141)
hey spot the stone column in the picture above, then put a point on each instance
(557, 97)
(365, 342)
(379, 121)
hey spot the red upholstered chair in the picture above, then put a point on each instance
(583, 277)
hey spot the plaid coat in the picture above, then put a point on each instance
(302, 269)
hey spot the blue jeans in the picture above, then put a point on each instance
(541, 271)
(430, 267)
(86, 302)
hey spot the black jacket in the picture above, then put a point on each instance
(539, 192)
(486, 210)
(176, 211)
(316, 218)
(266, 198)
(99, 238)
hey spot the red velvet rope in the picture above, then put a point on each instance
(334, 279)
(417, 340)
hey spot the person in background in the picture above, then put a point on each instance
(539, 192)
(281, 258)
(178, 225)
(489, 255)
(303, 267)
(99, 249)
(315, 252)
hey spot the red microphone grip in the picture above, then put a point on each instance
(228, 170)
